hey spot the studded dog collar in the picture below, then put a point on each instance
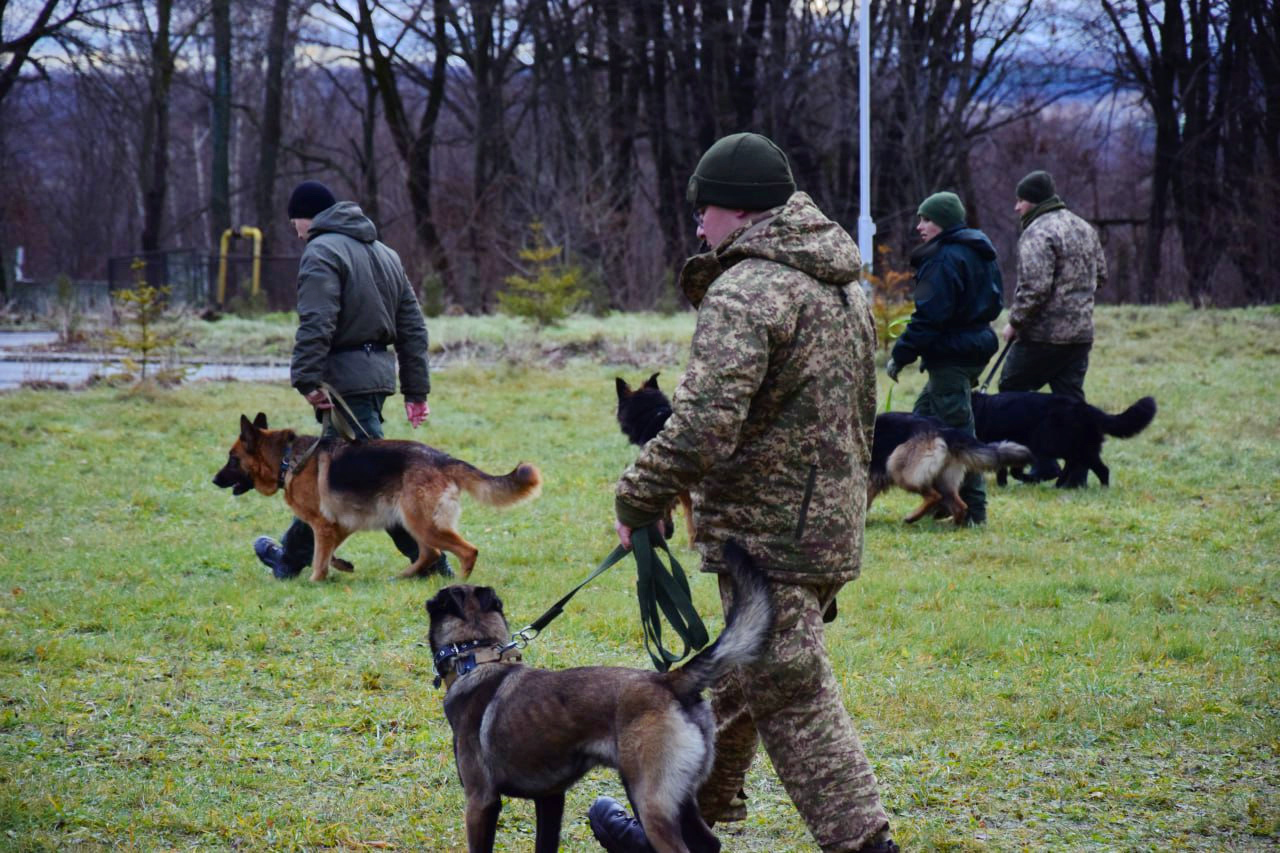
(459, 659)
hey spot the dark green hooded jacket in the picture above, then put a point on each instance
(959, 291)
(352, 291)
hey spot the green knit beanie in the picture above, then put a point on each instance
(745, 171)
(942, 209)
(1036, 187)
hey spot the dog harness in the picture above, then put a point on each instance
(459, 659)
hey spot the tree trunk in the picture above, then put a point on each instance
(155, 138)
(220, 180)
(264, 197)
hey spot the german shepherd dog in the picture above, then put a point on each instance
(923, 455)
(1054, 426)
(533, 733)
(343, 487)
(642, 413)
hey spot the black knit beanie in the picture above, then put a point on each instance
(308, 199)
(1036, 187)
(942, 209)
(745, 171)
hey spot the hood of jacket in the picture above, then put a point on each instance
(797, 234)
(961, 235)
(346, 218)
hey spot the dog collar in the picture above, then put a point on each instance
(284, 464)
(459, 659)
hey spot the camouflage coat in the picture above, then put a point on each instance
(1060, 265)
(771, 423)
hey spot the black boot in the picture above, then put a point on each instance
(617, 831)
(441, 567)
(273, 556)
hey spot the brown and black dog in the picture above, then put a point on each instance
(642, 413)
(343, 487)
(532, 733)
(924, 455)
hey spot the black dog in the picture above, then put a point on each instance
(1056, 427)
(642, 413)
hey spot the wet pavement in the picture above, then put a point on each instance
(23, 359)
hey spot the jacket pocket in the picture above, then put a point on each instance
(804, 503)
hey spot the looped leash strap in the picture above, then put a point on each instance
(346, 423)
(982, 389)
(664, 592)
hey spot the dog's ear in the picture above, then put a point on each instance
(652, 382)
(488, 600)
(248, 434)
(445, 602)
(624, 390)
(261, 420)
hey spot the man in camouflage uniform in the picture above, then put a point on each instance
(770, 431)
(958, 292)
(1060, 265)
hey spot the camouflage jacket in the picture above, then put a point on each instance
(771, 423)
(352, 291)
(1060, 265)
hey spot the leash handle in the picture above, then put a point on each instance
(348, 424)
(982, 389)
(664, 591)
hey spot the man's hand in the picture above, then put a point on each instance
(624, 534)
(319, 399)
(1009, 333)
(416, 412)
(891, 367)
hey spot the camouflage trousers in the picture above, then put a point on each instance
(790, 701)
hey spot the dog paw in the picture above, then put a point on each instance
(342, 565)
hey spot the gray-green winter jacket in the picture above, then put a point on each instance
(352, 292)
(771, 424)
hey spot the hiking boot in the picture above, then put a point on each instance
(617, 831)
(271, 553)
(881, 843)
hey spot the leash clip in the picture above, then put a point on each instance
(522, 638)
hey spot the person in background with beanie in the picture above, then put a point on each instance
(354, 303)
(770, 431)
(1060, 266)
(958, 292)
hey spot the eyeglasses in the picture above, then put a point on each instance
(697, 216)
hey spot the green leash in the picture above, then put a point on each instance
(661, 592)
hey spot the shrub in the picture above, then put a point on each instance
(552, 294)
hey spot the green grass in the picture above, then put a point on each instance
(1094, 670)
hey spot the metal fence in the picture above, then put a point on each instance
(192, 277)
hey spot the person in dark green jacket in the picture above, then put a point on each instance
(958, 292)
(354, 304)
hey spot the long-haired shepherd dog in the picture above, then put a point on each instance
(533, 733)
(340, 487)
(642, 412)
(1055, 427)
(924, 455)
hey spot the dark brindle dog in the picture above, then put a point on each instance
(533, 733)
(642, 413)
(338, 488)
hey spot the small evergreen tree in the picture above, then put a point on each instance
(142, 311)
(550, 296)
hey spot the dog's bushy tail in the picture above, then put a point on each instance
(976, 456)
(1128, 423)
(746, 627)
(521, 484)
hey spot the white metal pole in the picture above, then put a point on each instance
(866, 228)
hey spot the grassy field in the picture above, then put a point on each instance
(1095, 670)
